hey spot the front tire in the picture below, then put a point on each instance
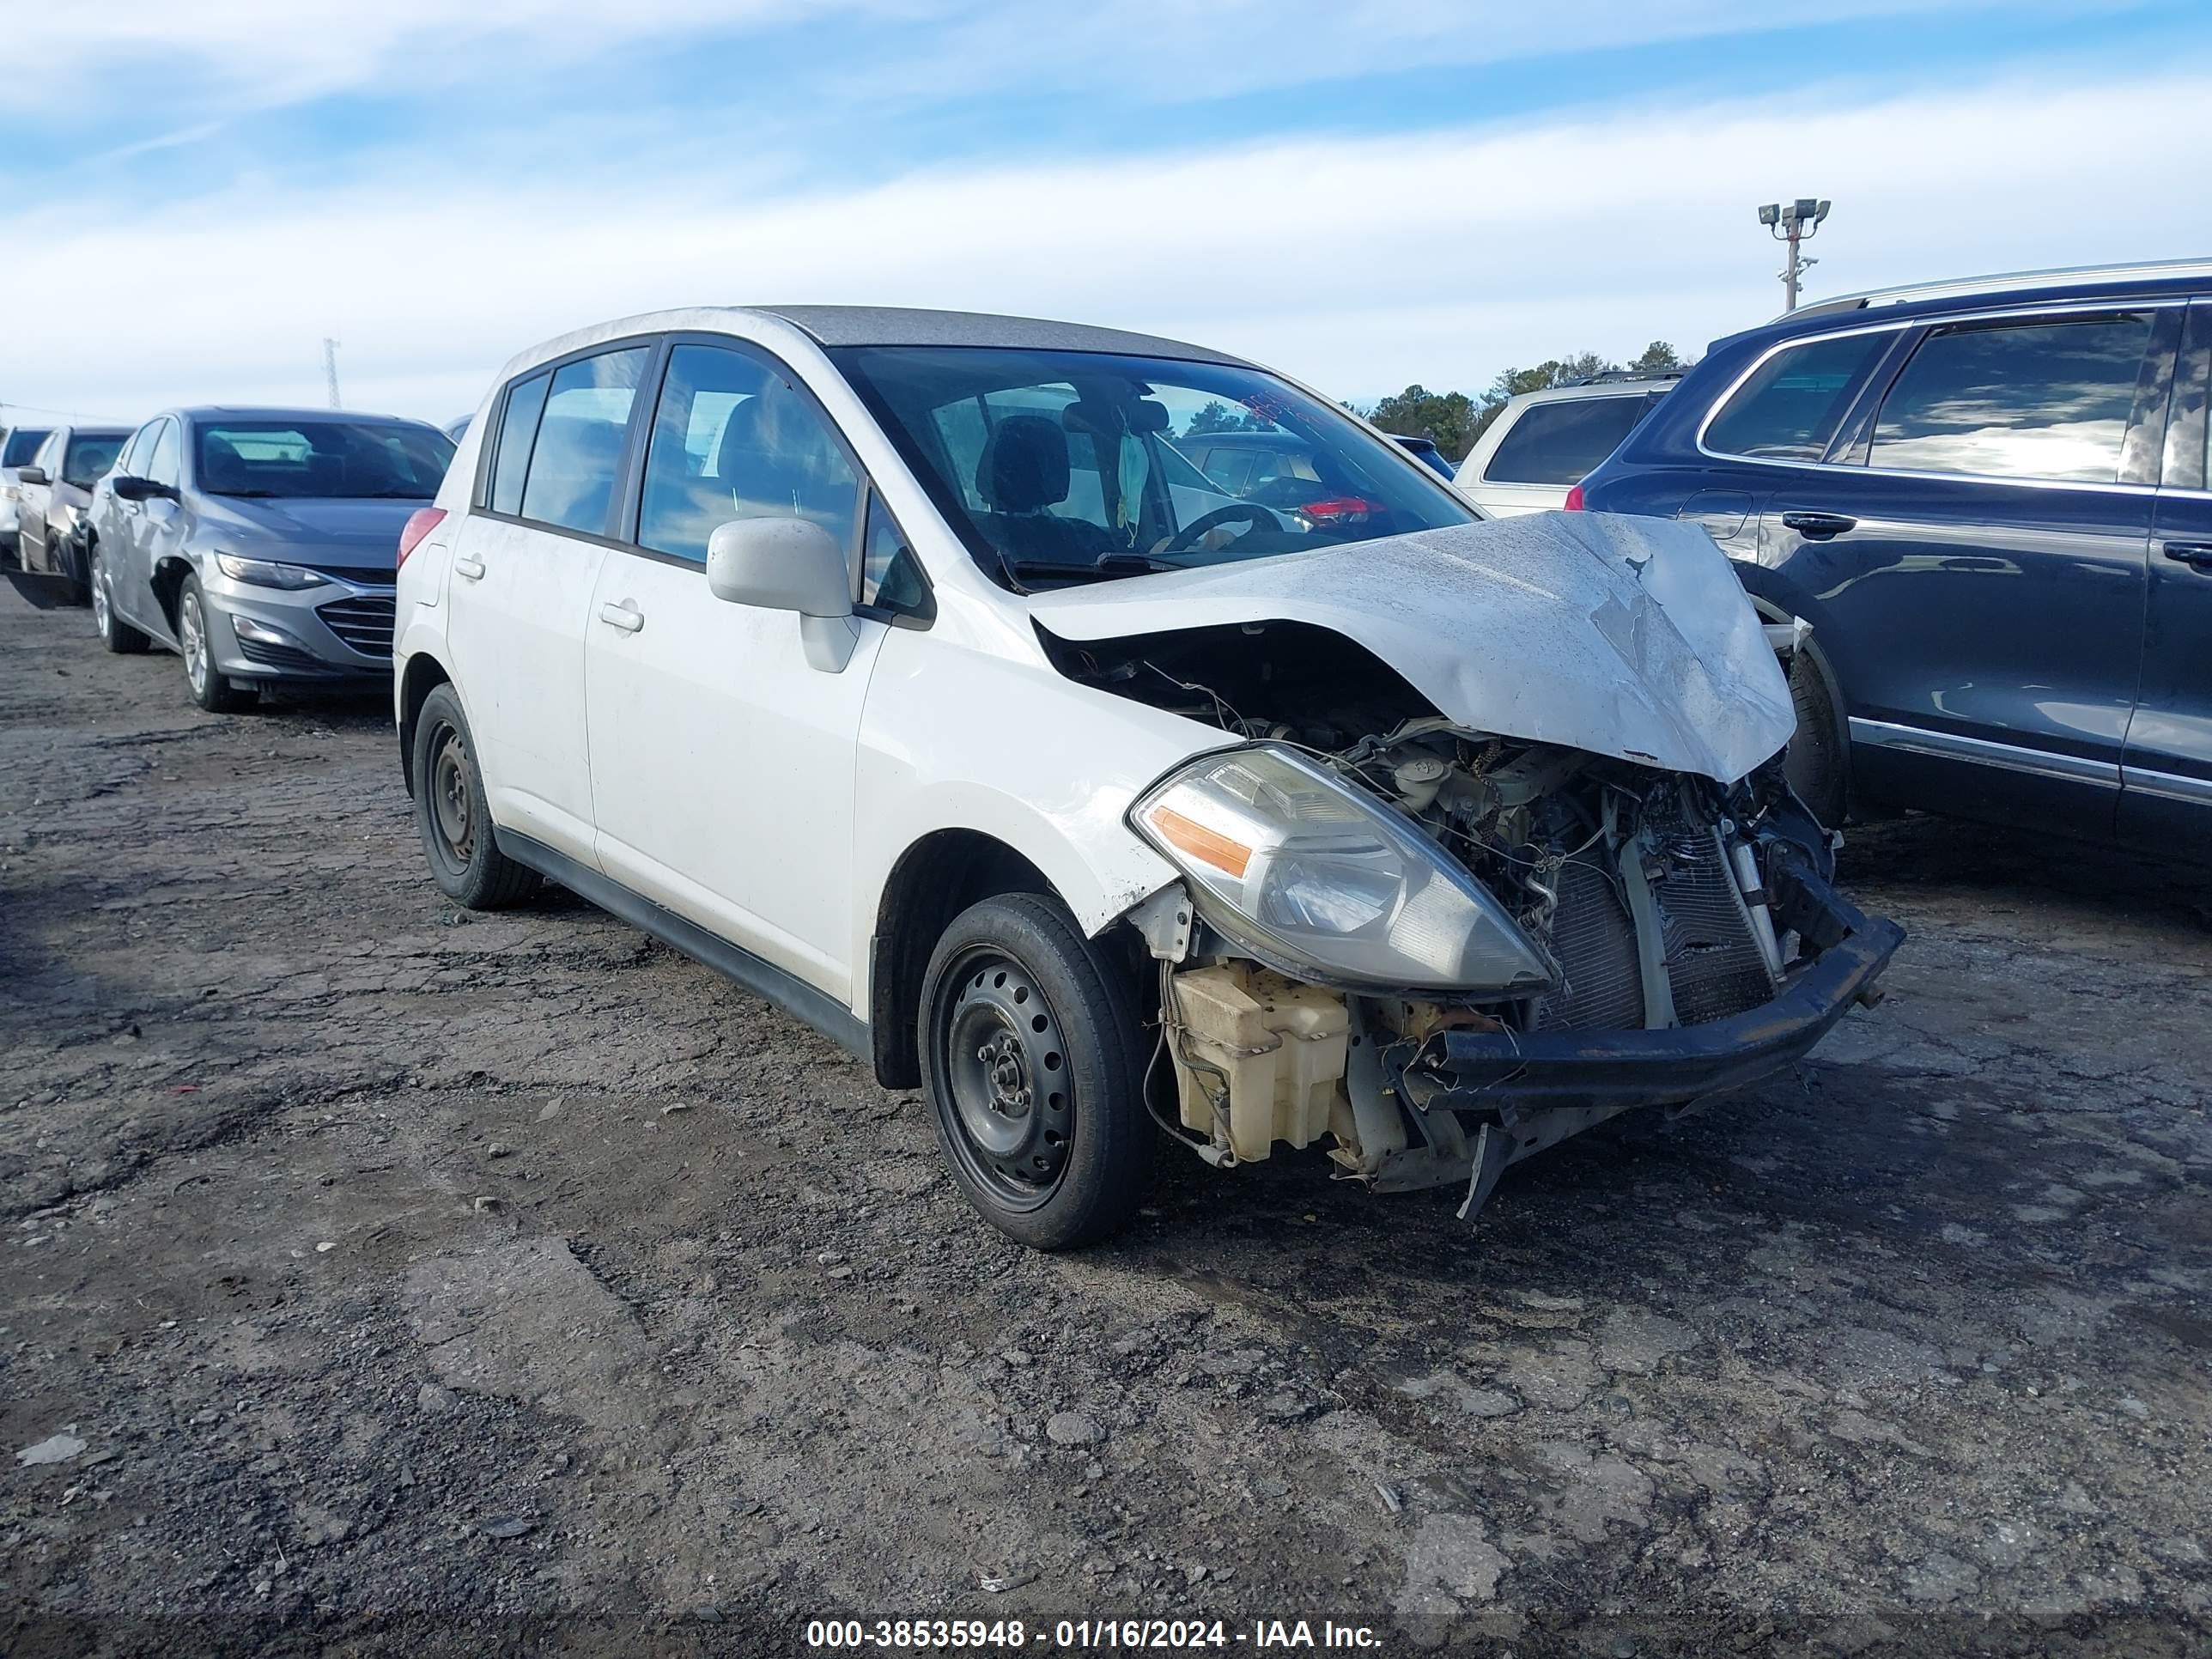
(1815, 762)
(1032, 1058)
(117, 634)
(207, 683)
(453, 815)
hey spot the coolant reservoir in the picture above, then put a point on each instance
(1275, 1047)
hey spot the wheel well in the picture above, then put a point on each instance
(425, 674)
(168, 582)
(1825, 670)
(935, 879)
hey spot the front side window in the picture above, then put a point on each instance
(161, 466)
(21, 444)
(1559, 443)
(337, 459)
(2039, 400)
(1789, 408)
(48, 455)
(518, 430)
(576, 462)
(734, 438)
(1059, 466)
(140, 450)
(90, 457)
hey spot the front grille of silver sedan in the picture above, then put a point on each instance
(362, 621)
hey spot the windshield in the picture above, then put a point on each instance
(1065, 466)
(90, 457)
(324, 459)
(21, 444)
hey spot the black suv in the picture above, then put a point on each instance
(1990, 498)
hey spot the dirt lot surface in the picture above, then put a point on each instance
(419, 1282)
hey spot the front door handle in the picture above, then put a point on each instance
(625, 616)
(1818, 527)
(472, 568)
(2196, 555)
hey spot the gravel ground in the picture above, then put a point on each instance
(423, 1282)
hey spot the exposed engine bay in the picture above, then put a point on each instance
(1661, 901)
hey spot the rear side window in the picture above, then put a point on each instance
(734, 439)
(518, 430)
(2041, 400)
(1788, 411)
(576, 462)
(1558, 443)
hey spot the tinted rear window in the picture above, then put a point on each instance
(1789, 409)
(1558, 443)
(23, 443)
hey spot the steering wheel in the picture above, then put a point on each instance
(1250, 513)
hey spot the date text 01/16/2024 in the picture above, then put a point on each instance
(1124, 1634)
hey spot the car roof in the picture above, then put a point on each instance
(104, 429)
(884, 325)
(280, 412)
(1231, 436)
(2164, 279)
(1620, 388)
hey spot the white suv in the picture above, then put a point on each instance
(893, 664)
(1542, 444)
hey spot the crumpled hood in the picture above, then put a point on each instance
(1622, 636)
(359, 533)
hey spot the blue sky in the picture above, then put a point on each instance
(196, 191)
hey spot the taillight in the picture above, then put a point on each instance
(420, 524)
(1350, 508)
(1574, 502)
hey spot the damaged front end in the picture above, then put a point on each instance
(1446, 948)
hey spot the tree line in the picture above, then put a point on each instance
(1453, 421)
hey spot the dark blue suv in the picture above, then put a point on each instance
(1990, 501)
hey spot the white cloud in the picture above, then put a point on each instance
(1360, 264)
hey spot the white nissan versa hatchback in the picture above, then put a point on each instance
(898, 665)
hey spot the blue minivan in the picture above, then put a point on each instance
(1990, 501)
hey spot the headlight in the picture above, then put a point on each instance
(262, 574)
(1314, 877)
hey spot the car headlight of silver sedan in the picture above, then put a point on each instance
(262, 573)
(1315, 878)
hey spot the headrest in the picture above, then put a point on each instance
(1024, 465)
(1141, 414)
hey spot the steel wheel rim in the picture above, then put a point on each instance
(99, 596)
(193, 638)
(1009, 1111)
(452, 801)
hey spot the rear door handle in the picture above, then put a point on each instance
(1818, 527)
(472, 568)
(2197, 555)
(625, 616)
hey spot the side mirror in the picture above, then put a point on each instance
(31, 475)
(143, 490)
(788, 564)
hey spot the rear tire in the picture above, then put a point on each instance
(1816, 763)
(210, 689)
(117, 634)
(1033, 1061)
(453, 815)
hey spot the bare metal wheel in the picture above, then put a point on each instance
(1006, 1066)
(208, 687)
(115, 634)
(452, 800)
(1032, 1054)
(451, 815)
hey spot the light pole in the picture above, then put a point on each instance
(1794, 222)
(330, 369)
